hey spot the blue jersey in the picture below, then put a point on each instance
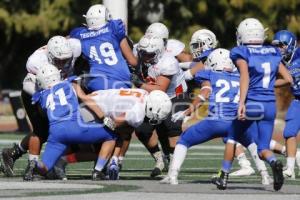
(60, 102)
(102, 50)
(294, 69)
(224, 98)
(296, 54)
(263, 63)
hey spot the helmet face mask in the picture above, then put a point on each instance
(59, 52)
(286, 41)
(158, 106)
(202, 40)
(150, 49)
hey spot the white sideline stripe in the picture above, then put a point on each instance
(201, 147)
(191, 153)
(9, 141)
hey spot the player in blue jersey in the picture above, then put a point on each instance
(287, 42)
(221, 85)
(104, 45)
(59, 100)
(258, 66)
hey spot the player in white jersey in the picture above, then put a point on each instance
(160, 71)
(62, 53)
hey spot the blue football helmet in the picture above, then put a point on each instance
(287, 43)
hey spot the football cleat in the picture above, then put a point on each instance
(113, 171)
(221, 180)
(9, 156)
(159, 164)
(277, 174)
(30, 170)
(169, 180)
(98, 175)
(289, 174)
(245, 171)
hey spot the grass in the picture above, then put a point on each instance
(201, 163)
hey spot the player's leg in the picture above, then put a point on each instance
(236, 133)
(290, 133)
(265, 131)
(278, 148)
(10, 155)
(244, 163)
(197, 134)
(145, 134)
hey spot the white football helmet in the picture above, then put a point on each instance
(158, 106)
(59, 51)
(250, 31)
(201, 41)
(97, 16)
(47, 76)
(219, 60)
(150, 49)
(159, 30)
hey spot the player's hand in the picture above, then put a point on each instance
(135, 79)
(180, 115)
(109, 123)
(242, 112)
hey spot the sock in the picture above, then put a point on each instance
(272, 144)
(120, 158)
(260, 165)
(290, 163)
(271, 159)
(154, 149)
(226, 165)
(21, 148)
(33, 157)
(114, 159)
(298, 158)
(243, 161)
(178, 158)
(283, 150)
(100, 164)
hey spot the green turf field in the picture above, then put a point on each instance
(201, 163)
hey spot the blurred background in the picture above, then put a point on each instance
(27, 25)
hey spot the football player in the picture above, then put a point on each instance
(62, 53)
(106, 49)
(220, 85)
(258, 65)
(161, 73)
(286, 41)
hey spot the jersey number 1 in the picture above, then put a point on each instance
(267, 72)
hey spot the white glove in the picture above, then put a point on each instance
(109, 123)
(180, 115)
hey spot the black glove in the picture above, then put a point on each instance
(135, 79)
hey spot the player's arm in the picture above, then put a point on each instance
(184, 57)
(87, 100)
(244, 86)
(162, 83)
(127, 52)
(286, 78)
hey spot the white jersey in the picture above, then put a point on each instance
(117, 102)
(175, 47)
(40, 58)
(168, 66)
